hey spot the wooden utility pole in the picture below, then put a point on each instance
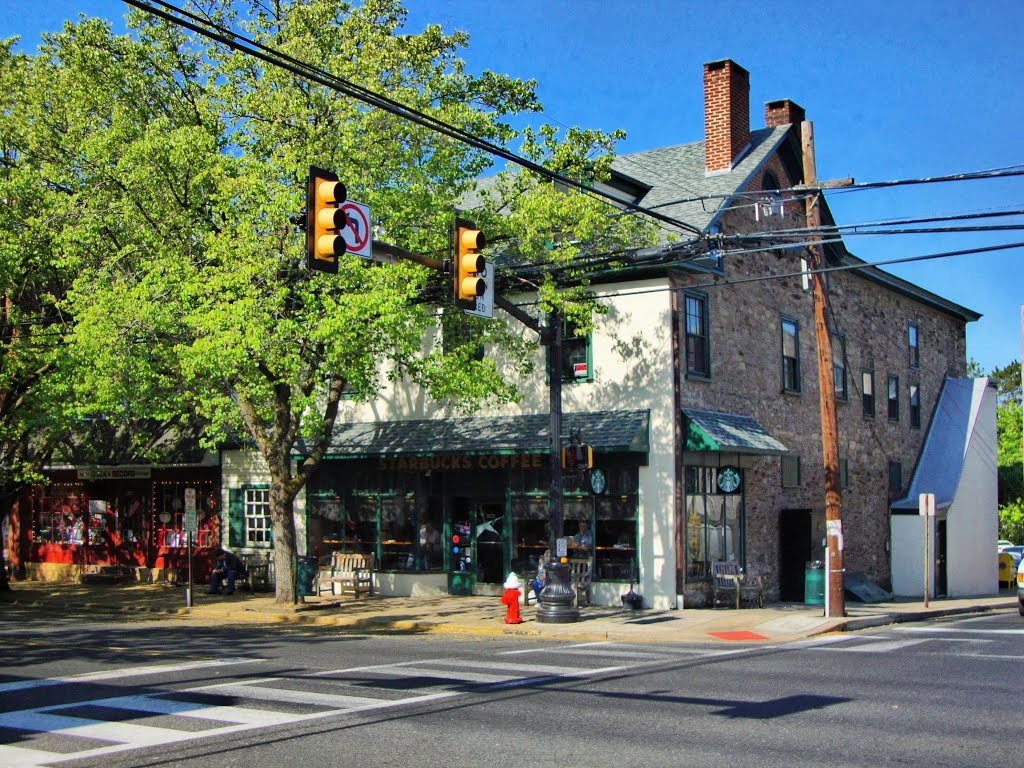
(835, 603)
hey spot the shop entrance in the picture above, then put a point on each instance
(478, 567)
(795, 551)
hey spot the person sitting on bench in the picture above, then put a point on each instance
(228, 566)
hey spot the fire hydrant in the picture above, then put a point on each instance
(511, 599)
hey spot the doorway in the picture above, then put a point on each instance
(941, 588)
(479, 566)
(795, 551)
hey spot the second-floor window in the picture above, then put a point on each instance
(698, 359)
(839, 365)
(867, 388)
(894, 398)
(895, 477)
(914, 352)
(790, 355)
(915, 405)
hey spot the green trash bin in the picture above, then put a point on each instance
(814, 583)
(305, 574)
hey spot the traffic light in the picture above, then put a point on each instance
(468, 264)
(578, 457)
(325, 219)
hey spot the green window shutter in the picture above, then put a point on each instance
(236, 517)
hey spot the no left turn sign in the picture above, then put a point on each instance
(357, 232)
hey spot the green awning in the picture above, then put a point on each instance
(606, 431)
(731, 432)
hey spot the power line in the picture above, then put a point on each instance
(801, 273)
(271, 56)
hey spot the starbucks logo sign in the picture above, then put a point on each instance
(728, 479)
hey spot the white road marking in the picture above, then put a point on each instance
(49, 719)
(117, 674)
(954, 630)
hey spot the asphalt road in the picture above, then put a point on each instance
(74, 692)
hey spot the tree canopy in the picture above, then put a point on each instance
(169, 168)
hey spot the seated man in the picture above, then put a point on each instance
(227, 566)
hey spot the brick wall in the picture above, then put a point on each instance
(746, 378)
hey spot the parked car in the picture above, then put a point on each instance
(1020, 588)
(1016, 552)
(1003, 544)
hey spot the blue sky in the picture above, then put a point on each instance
(896, 90)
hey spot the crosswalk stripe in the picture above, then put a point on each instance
(117, 674)
(125, 733)
(20, 757)
(959, 630)
(883, 646)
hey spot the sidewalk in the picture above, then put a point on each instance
(484, 616)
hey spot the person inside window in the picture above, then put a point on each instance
(584, 539)
(228, 566)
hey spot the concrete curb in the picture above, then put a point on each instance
(902, 617)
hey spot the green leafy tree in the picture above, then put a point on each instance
(1010, 460)
(180, 164)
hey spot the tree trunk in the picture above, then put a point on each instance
(284, 539)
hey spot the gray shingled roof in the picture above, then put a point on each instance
(604, 430)
(945, 447)
(732, 432)
(677, 172)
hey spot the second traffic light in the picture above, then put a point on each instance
(325, 220)
(468, 264)
(578, 457)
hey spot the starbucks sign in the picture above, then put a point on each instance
(728, 479)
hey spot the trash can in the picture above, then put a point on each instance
(305, 573)
(814, 583)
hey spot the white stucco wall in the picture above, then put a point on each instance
(632, 360)
(972, 527)
(242, 468)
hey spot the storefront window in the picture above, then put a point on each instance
(601, 526)
(529, 532)
(615, 539)
(59, 515)
(714, 518)
(169, 514)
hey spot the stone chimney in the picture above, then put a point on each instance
(726, 114)
(782, 112)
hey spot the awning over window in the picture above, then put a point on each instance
(606, 431)
(731, 432)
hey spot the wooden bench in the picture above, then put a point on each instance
(348, 574)
(728, 583)
(580, 572)
(256, 572)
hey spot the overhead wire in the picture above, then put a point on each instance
(237, 42)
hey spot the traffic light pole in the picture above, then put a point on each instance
(557, 598)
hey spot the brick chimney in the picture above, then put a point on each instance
(726, 114)
(782, 112)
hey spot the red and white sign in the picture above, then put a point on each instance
(579, 370)
(357, 232)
